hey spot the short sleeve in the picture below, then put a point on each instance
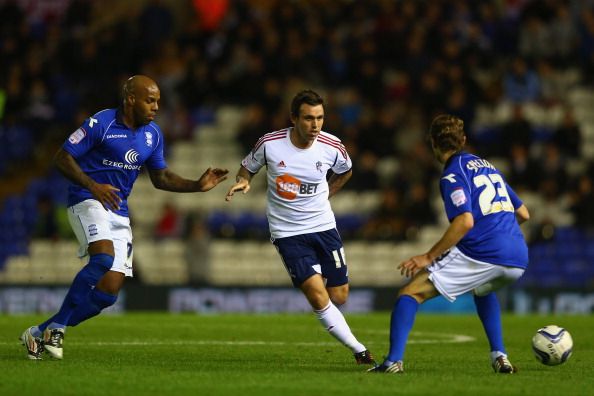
(343, 161)
(87, 136)
(456, 194)
(515, 199)
(256, 159)
(157, 159)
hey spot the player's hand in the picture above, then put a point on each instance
(241, 185)
(106, 194)
(211, 177)
(414, 264)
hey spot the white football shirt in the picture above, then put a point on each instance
(297, 186)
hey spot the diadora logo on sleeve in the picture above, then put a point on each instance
(289, 187)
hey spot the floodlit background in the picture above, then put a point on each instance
(518, 72)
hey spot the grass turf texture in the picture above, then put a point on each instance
(162, 354)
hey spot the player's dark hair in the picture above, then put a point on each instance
(447, 133)
(306, 96)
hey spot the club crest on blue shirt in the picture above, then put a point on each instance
(149, 138)
(77, 136)
(458, 197)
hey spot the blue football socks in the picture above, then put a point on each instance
(401, 322)
(95, 303)
(488, 311)
(82, 284)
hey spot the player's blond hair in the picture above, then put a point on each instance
(447, 133)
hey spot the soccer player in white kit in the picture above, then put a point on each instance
(301, 221)
(481, 251)
(102, 159)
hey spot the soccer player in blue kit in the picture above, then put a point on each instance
(482, 250)
(102, 159)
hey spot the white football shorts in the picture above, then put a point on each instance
(456, 274)
(91, 222)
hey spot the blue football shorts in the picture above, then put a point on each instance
(316, 253)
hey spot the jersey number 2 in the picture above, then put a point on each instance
(488, 200)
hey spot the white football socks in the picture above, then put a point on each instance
(496, 354)
(333, 321)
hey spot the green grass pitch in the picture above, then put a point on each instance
(162, 354)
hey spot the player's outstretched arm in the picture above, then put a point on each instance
(104, 193)
(164, 179)
(459, 227)
(242, 183)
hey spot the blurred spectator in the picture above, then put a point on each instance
(581, 205)
(568, 136)
(365, 176)
(417, 206)
(252, 126)
(197, 247)
(565, 35)
(553, 83)
(169, 222)
(520, 83)
(46, 226)
(517, 130)
(387, 223)
(523, 171)
(535, 39)
(553, 168)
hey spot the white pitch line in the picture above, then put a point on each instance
(442, 338)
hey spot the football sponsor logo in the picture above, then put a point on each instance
(77, 136)
(289, 187)
(131, 156)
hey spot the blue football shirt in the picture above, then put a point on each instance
(111, 153)
(471, 184)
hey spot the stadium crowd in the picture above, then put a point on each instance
(385, 67)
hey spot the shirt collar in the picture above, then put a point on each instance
(456, 154)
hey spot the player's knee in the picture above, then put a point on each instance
(101, 262)
(339, 296)
(103, 300)
(338, 300)
(417, 295)
(111, 282)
